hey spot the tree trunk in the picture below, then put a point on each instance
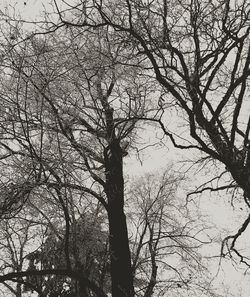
(82, 290)
(19, 290)
(121, 272)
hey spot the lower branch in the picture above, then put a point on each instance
(12, 276)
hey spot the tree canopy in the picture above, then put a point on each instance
(79, 88)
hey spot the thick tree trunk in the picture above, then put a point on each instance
(121, 272)
(82, 290)
(19, 290)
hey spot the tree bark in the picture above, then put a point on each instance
(19, 290)
(121, 271)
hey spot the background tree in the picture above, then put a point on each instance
(88, 248)
(167, 239)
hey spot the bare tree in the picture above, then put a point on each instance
(72, 95)
(167, 239)
(198, 51)
(69, 108)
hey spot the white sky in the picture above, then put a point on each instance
(31, 9)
